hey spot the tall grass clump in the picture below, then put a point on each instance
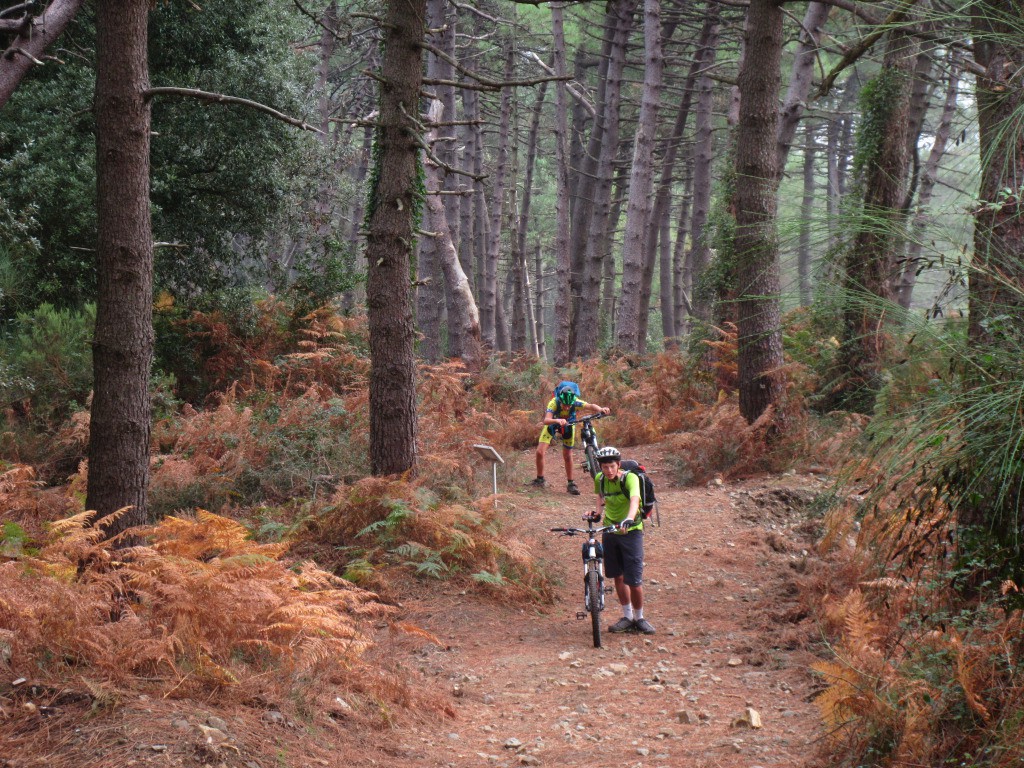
(927, 610)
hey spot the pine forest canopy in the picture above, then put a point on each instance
(591, 176)
(313, 61)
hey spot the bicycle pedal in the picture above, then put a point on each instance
(581, 615)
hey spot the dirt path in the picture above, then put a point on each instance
(529, 688)
(523, 683)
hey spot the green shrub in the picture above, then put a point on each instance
(48, 362)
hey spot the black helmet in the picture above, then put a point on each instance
(608, 454)
(567, 397)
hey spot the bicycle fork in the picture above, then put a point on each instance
(593, 558)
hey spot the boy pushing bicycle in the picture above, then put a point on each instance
(559, 421)
(618, 502)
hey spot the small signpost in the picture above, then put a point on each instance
(491, 455)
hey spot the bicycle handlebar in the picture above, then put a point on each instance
(587, 418)
(574, 531)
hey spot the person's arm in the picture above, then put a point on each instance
(550, 418)
(588, 408)
(549, 415)
(633, 487)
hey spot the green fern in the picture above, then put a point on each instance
(400, 512)
(491, 579)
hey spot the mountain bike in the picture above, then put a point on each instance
(588, 436)
(593, 573)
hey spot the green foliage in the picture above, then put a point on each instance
(386, 527)
(18, 246)
(877, 99)
(47, 361)
(12, 540)
(198, 162)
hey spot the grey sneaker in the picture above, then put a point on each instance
(622, 625)
(572, 489)
(538, 482)
(644, 626)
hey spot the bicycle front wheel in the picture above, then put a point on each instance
(592, 466)
(594, 592)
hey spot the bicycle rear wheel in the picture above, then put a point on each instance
(592, 466)
(594, 593)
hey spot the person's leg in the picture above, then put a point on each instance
(633, 571)
(541, 448)
(613, 570)
(567, 460)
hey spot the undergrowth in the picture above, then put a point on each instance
(198, 609)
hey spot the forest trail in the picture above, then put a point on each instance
(529, 688)
(515, 683)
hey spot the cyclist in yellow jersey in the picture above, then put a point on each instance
(618, 503)
(561, 410)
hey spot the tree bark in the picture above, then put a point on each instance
(638, 211)
(463, 315)
(491, 318)
(29, 47)
(761, 383)
(802, 73)
(663, 198)
(392, 206)
(681, 283)
(588, 322)
(563, 258)
(120, 420)
(997, 276)
(929, 176)
(703, 158)
(806, 217)
(870, 263)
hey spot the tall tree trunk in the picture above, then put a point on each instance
(806, 217)
(761, 383)
(660, 216)
(997, 274)
(681, 285)
(431, 296)
(929, 176)
(619, 19)
(838, 154)
(392, 205)
(467, 202)
(638, 212)
(703, 158)
(996, 285)
(463, 316)
(871, 259)
(538, 312)
(584, 186)
(563, 302)
(491, 317)
(120, 420)
(811, 31)
(442, 20)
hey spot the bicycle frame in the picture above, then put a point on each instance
(588, 436)
(593, 574)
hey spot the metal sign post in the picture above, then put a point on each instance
(491, 455)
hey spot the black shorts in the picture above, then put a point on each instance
(624, 556)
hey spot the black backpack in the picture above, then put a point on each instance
(647, 498)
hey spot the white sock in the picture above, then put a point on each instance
(638, 613)
(627, 611)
